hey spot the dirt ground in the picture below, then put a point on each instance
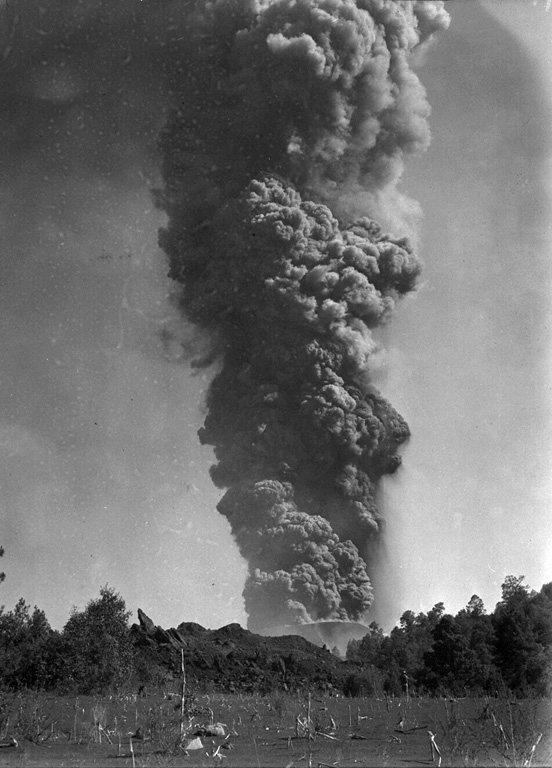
(272, 732)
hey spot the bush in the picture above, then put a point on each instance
(358, 684)
(98, 645)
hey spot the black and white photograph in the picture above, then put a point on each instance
(275, 383)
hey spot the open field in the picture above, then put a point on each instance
(273, 731)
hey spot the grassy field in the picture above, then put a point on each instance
(278, 730)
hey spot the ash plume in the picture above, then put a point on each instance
(285, 149)
(288, 111)
(286, 145)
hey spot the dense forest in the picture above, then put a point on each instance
(472, 652)
(508, 651)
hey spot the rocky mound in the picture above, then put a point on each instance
(233, 659)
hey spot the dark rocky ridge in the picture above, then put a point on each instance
(233, 659)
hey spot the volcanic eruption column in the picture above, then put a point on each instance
(293, 120)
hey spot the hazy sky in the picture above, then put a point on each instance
(102, 479)
(470, 365)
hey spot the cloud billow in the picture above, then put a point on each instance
(285, 149)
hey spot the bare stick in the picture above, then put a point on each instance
(527, 763)
(503, 736)
(406, 685)
(77, 707)
(434, 748)
(183, 698)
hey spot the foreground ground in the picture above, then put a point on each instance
(273, 732)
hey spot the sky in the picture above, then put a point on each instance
(470, 365)
(102, 477)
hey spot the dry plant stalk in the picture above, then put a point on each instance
(117, 728)
(527, 763)
(406, 678)
(75, 719)
(183, 695)
(132, 753)
(434, 748)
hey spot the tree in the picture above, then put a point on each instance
(542, 615)
(478, 628)
(522, 637)
(366, 650)
(98, 644)
(475, 607)
(452, 664)
(513, 591)
(402, 653)
(24, 648)
(542, 627)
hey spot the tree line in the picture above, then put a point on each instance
(93, 653)
(472, 653)
(509, 650)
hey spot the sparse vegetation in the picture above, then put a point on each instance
(463, 690)
(276, 731)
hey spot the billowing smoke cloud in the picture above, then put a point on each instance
(290, 125)
(285, 149)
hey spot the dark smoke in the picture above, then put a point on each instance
(289, 126)
(292, 122)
